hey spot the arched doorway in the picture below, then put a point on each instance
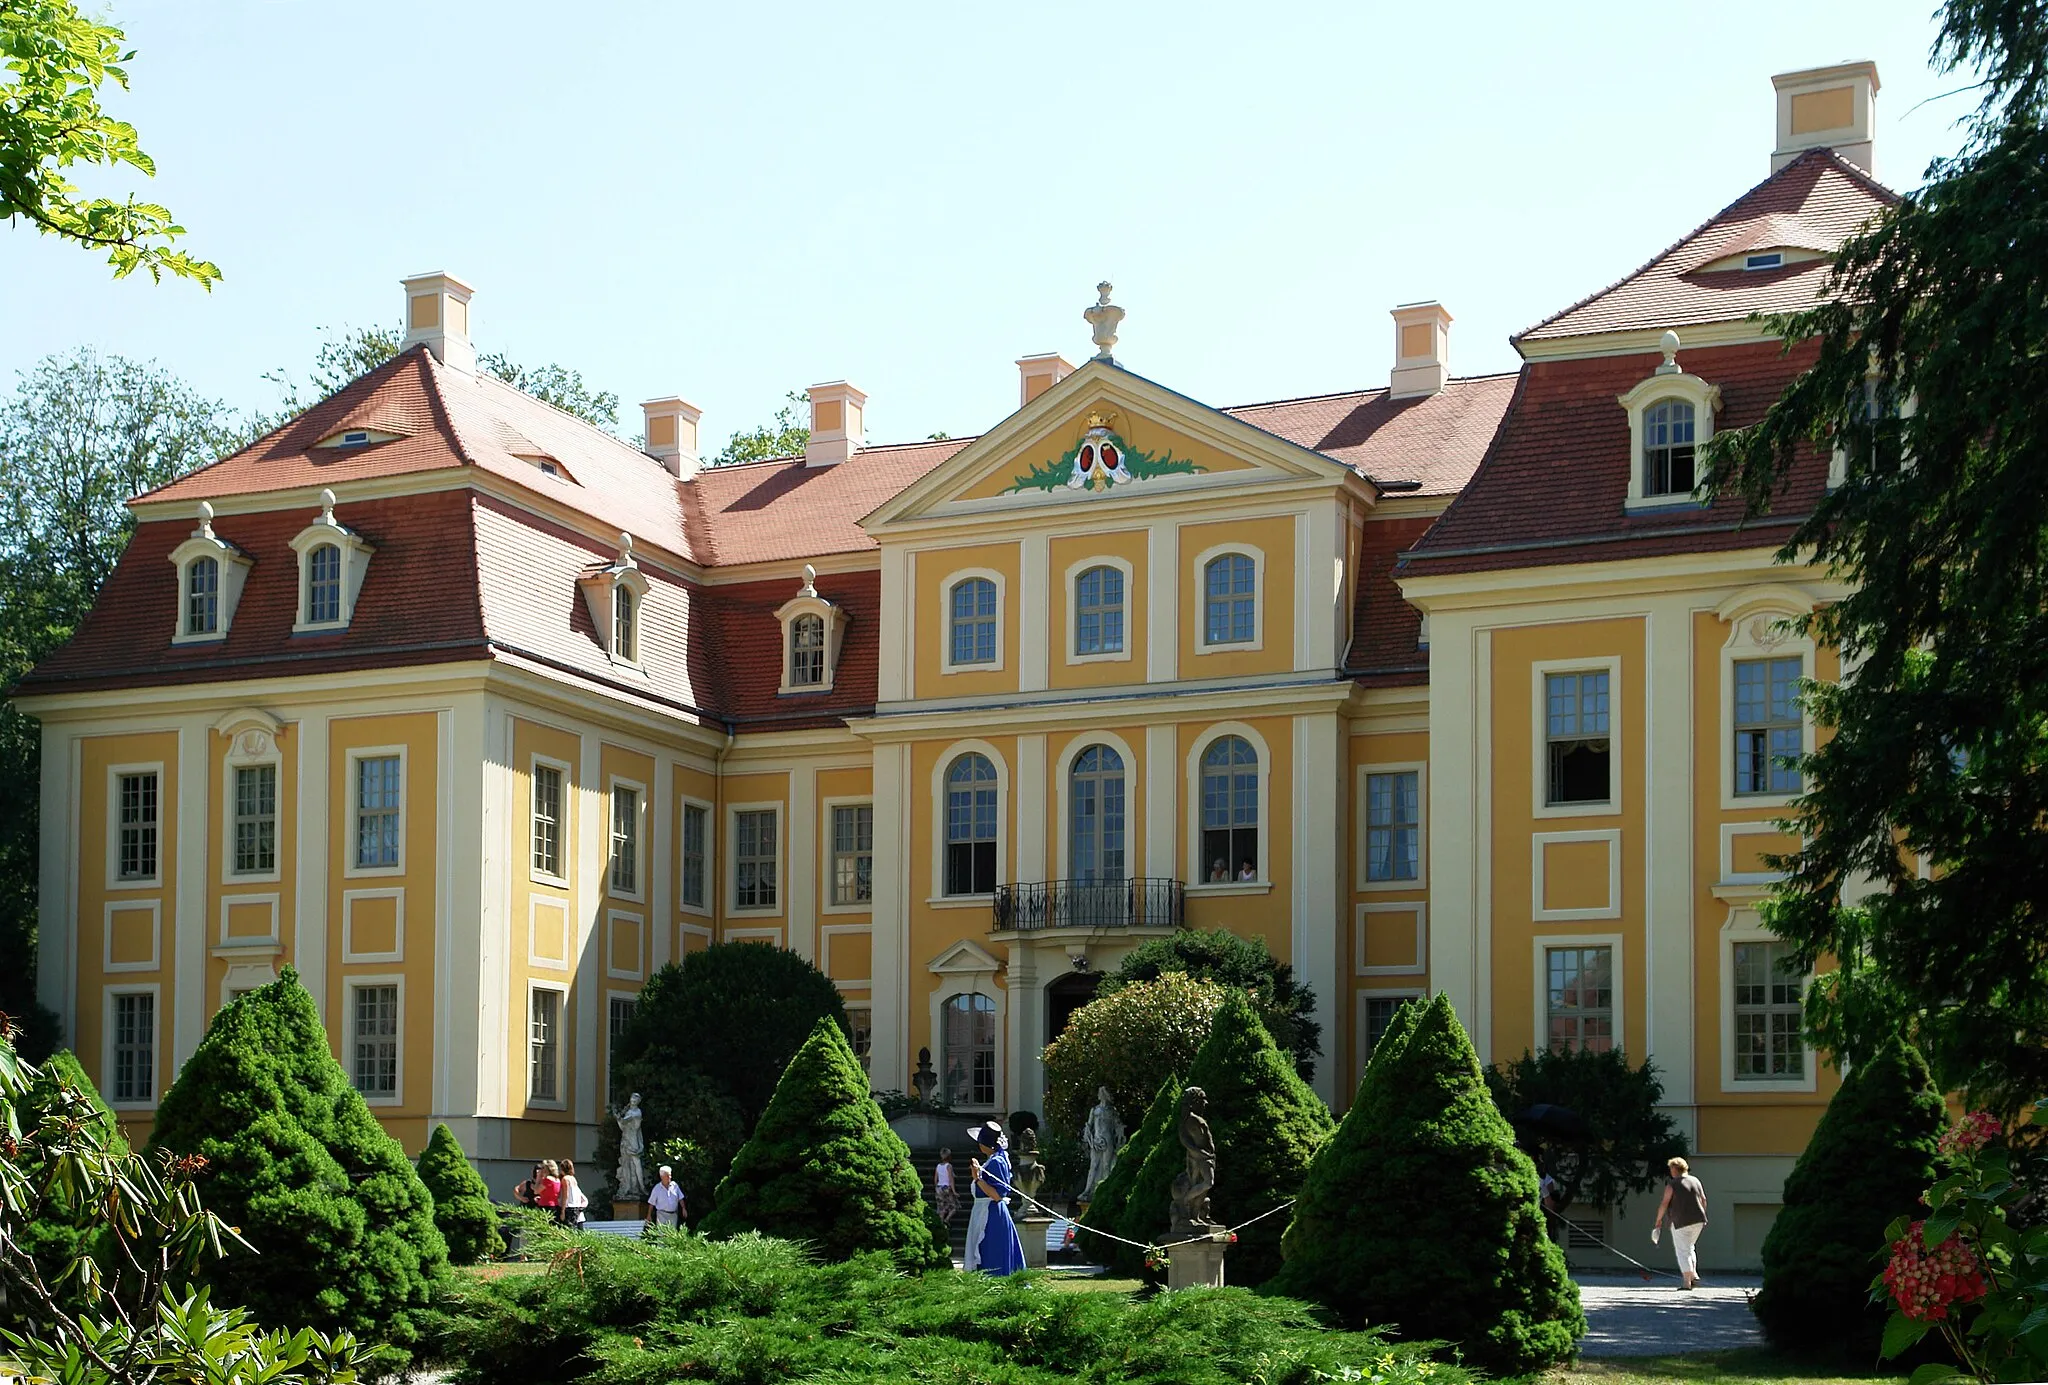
(1066, 995)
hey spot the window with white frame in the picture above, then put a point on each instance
(1768, 726)
(972, 629)
(255, 819)
(618, 1017)
(544, 1045)
(696, 828)
(1099, 611)
(1095, 816)
(374, 1070)
(547, 821)
(1230, 599)
(753, 859)
(625, 839)
(853, 853)
(379, 785)
(625, 624)
(134, 1047)
(323, 585)
(807, 652)
(861, 1020)
(1576, 714)
(1379, 1017)
(1230, 810)
(1768, 995)
(970, 1050)
(1668, 448)
(1393, 830)
(1579, 992)
(971, 826)
(202, 596)
(139, 806)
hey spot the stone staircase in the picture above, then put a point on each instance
(926, 1160)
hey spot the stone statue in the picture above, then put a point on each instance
(1028, 1175)
(1104, 1136)
(1191, 1188)
(632, 1176)
(924, 1079)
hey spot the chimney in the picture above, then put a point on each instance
(1422, 350)
(671, 427)
(437, 313)
(836, 433)
(1037, 374)
(1827, 108)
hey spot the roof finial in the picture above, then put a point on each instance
(1103, 318)
(1669, 344)
(810, 587)
(205, 520)
(327, 507)
(625, 549)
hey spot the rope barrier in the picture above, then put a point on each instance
(1144, 1245)
(1645, 1270)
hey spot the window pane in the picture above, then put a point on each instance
(806, 651)
(547, 820)
(1393, 831)
(969, 1050)
(135, 1047)
(695, 821)
(973, 636)
(1580, 990)
(1767, 995)
(853, 846)
(619, 1015)
(544, 1046)
(625, 840)
(137, 848)
(1769, 727)
(625, 622)
(202, 597)
(323, 585)
(754, 860)
(255, 819)
(374, 1071)
(377, 808)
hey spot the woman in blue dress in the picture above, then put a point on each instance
(997, 1251)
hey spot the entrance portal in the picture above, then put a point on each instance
(1066, 995)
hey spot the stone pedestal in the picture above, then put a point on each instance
(1198, 1265)
(924, 1130)
(1031, 1231)
(629, 1211)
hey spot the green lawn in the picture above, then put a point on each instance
(1747, 1366)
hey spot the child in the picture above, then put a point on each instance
(948, 1199)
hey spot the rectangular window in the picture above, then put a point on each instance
(202, 597)
(375, 1069)
(1229, 597)
(625, 840)
(974, 621)
(547, 820)
(1576, 712)
(621, 1015)
(544, 1045)
(853, 853)
(696, 820)
(1767, 1009)
(1393, 831)
(323, 585)
(138, 826)
(1379, 1013)
(753, 860)
(1099, 611)
(862, 1022)
(255, 819)
(1768, 726)
(135, 1047)
(378, 787)
(1580, 989)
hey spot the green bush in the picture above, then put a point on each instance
(824, 1168)
(1129, 1042)
(677, 1107)
(1106, 1211)
(1870, 1158)
(1627, 1140)
(343, 1227)
(1286, 1007)
(1421, 1215)
(66, 1228)
(462, 1202)
(751, 1311)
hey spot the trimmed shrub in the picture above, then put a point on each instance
(1106, 1211)
(343, 1227)
(824, 1168)
(678, 1107)
(1420, 1214)
(1871, 1157)
(1286, 1007)
(1129, 1042)
(462, 1203)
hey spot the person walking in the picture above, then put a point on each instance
(1686, 1203)
(665, 1198)
(547, 1189)
(574, 1201)
(996, 1249)
(946, 1198)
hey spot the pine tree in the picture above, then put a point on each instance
(462, 1201)
(1112, 1197)
(1870, 1158)
(823, 1167)
(1422, 1216)
(343, 1227)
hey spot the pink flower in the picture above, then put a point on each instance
(1925, 1283)
(1971, 1133)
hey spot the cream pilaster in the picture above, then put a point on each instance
(661, 907)
(1319, 538)
(889, 1065)
(1162, 595)
(1317, 813)
(494, 913)
(1668, 723)
(1457, 841)
(1162, 806)
(458, 908)
(803, 861)
(592, 844)
(1025, 1012)
(192, 931)
(892, 675)
(1030, 805)
(1034, 611)
(57, 883)
(317, 802)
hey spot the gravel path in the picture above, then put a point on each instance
(1626, 1317)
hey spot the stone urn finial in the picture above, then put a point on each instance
(1103, 318)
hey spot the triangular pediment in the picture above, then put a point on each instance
(965, 958)
(1104, 437)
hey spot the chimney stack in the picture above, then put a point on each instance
(1828, 108)
(437, 313)
(1422, 350)
(836, 430)
(671, 427)
(1037, 374)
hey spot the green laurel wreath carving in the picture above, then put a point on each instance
(1052, 476)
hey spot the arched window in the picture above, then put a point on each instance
(323, 585)
(806, 652)
(1229, 599)
(625, 623)
(970, 1051)
(1668, 448)
(1095, 808)
(1099, 611)
(1230, 811)
(973, 629)
(202, 596)
(971, 826)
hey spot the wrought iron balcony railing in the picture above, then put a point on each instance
(1130, 903)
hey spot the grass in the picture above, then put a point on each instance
(503, 1269)
(1744, 1366)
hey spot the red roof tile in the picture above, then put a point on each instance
(1386, 630)
(1430, 445)
(765, 511)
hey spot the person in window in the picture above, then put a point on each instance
(1686, 1203)
(574, 1200)
(947, 1197)
(1247, 871)
(1219, 871)
(992, 1243)
(665, 1198)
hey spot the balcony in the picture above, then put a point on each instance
(1113, 905)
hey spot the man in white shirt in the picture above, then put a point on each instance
(665, 1198)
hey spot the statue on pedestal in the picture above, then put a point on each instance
(1191, 1187)
(1029, 1175)
(923, 1080)
(1103, 1134)
(632, 1173)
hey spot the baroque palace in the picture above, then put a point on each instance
(476, 715)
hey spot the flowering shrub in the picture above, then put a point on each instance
(1925, 1281)
(1972, 1133)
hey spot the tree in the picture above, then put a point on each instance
(1616, 1140)
(462, 1201)
(50, 120)
(1932, 359)
(1108, 1209)
(1285, 1006)
(1420, 1214)
(343, 1227)
(823, 1167)
(681, 1107)
(1871, 1157)
(66, 1228)
(786, 436)
(1130, 1042)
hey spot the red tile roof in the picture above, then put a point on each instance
(766, 511)
(1429, 445)
(1385, 630)
(1815, 202)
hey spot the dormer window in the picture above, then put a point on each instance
(202, 596)
(1769, 259)
(812, 631)
(1668, 448)
(333, 560)
(616, 595)
(356, 437)
(806, 652)
(323, 585)
(625, 626)
(1670, 416)
(210, 575)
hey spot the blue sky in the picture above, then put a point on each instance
(730, 201)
